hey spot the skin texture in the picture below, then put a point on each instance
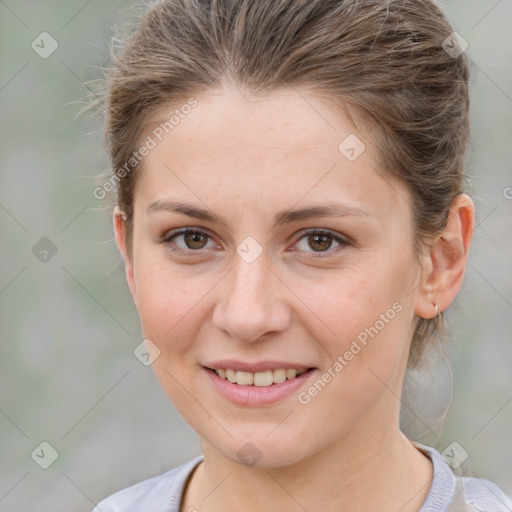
(245, 159)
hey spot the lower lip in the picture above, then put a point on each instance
(257, 395)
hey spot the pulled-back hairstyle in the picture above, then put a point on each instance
(386, 59)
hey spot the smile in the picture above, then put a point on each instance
(262, 379)
(261, 388)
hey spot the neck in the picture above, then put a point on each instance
(358, 472)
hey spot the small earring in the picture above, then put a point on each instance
(436, 307)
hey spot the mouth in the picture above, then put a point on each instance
(260, 379)
(260, 388)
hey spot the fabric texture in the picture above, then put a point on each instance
(448, 492)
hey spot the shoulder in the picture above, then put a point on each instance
(484, 495)
(453, 493)
(158, 494)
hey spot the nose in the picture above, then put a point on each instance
(252, 304)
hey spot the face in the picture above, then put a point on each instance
(256, 286)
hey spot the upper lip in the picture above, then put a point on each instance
(254, 367)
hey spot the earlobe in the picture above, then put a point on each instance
(447, 260)
(120, 236)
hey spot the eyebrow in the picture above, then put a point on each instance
(330, 209)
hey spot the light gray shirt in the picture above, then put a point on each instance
(448, 492)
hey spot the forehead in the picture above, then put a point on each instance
(285, 147)
(299, 119)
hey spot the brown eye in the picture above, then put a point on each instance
(320, 241)
(193, 240)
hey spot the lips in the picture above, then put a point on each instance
(264, 393)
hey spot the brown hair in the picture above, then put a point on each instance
(385, 58)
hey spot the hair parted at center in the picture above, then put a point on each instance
(385, 59)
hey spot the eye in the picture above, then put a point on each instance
(321, 241)
(193, 240)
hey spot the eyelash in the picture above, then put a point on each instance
(166, 239)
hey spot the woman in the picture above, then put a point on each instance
(292, 220)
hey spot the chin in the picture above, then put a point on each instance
(261, 451)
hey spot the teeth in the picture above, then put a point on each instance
(262, 379)
(244, 378)
(279, 375)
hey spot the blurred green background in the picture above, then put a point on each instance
(68, 373)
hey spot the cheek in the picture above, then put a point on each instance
(369, 310)
(168, 304)
(357, 301)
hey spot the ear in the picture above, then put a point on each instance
(445, 264)
(120, 235)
